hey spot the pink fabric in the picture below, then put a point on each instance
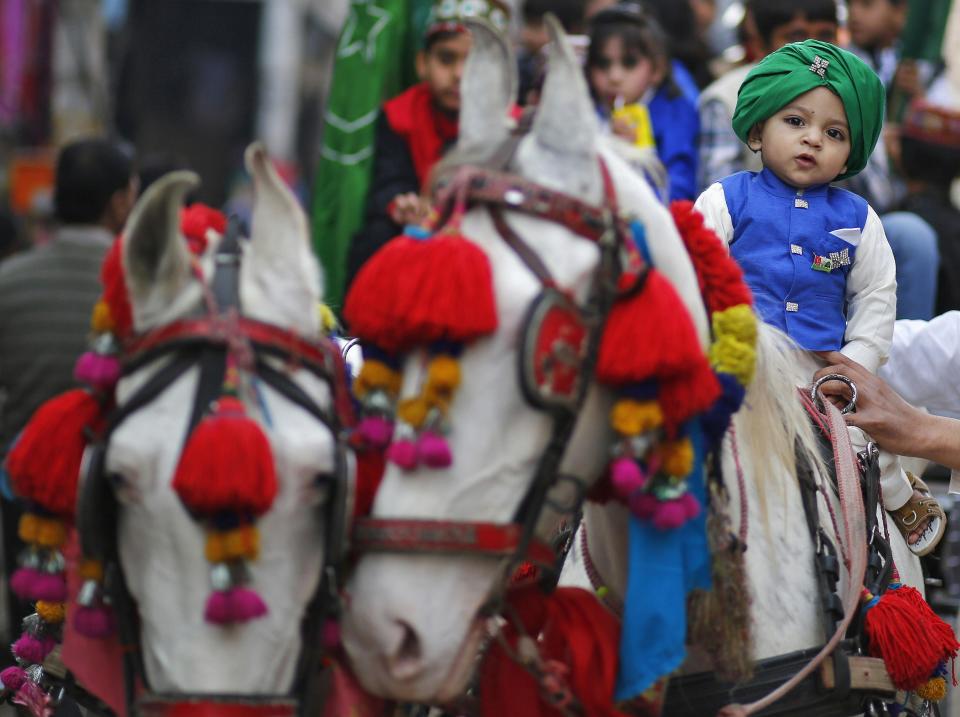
(96, 663)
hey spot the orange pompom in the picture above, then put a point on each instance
(29, 527)
(102, 320)
(227, 464)
(91, 569)
(52, 533)
(50, 612)
(44, 465)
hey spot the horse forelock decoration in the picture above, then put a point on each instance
(464, 496)
(215, 485)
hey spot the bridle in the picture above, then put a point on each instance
(206, 342)
(620, 270)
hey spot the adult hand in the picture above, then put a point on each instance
(893, 423)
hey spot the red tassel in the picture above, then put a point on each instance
(227, 465)
(115, 290)
(683, 397)
(647, 335)
(720, 277)
(44, 465)
(195, 220)
(909, 636)
(417, 291)
(579, 640)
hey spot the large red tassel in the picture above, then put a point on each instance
(648, 335)
(417, 291)
(579, 642)
(227, 465)
(683, 397)
(44, 465)
(909, 636)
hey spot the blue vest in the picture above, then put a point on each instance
(796, 248)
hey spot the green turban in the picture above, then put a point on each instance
(802, 66)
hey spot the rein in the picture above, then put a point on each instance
(210, 343)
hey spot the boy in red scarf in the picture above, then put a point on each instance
(418, 126)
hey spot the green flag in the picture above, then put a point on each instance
(374, 61)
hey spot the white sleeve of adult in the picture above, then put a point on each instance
(712, 204)
(924, 365)
(871, 297)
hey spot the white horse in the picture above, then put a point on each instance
(161, 547)
(414, 621)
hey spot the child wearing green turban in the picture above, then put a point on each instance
(816, 256)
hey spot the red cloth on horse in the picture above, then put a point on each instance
(428, 131)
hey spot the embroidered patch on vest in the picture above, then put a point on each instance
(822, 263)
(801, 203)
(796, 249)
(840, 258)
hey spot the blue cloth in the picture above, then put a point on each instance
(676, 126)
(914, 245)
(664, 567)
(779, 234)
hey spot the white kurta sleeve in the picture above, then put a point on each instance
(712, 204)
(924, 365)
(871, 297)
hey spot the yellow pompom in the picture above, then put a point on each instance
(29, 527)
(376, 375)
(50, 612)
(631, 418)
(677, 457)
(413, 411)
(91, 569)
(738, 321)
(328, 319)
(51, 533)
(729, 354)
(934, 689)
(443, 374)
(102, 319)
(242, 542)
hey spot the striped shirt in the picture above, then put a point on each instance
(46, 297)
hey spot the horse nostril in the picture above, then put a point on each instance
(406, 661)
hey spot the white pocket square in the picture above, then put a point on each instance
(850, 236)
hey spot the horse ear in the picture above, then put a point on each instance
(155, 255)
(489, 87)
(280, 282)
(565, 127)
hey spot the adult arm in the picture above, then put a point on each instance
(894, 424)
(871, 297)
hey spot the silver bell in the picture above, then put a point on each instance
(29, 558)
(54, 563)
(104, 345)
(89, 594)
(220, 577)
(378, 401)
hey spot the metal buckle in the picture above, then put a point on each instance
(816, 396)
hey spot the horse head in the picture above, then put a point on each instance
(415, 619)
(225, 342)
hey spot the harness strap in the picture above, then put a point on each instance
(527, 255)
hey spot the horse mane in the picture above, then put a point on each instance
(774, 424)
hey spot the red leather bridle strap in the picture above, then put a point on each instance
(319, 354)
(494, 540)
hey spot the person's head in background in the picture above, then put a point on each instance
(446, 44)
(627, 56)
(929, 147)
(875, 24)
(94, 184)
(685, 42)
(533, 32)
(704, 13)
(592, 7)
(775, 23)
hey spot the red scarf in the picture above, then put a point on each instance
(414, 116)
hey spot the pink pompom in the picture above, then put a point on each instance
(376, 431)
(330, 634)
(434, 450)
(96, 621)
(691, 506)
(670, 514)
(97, 370)
(404, 454)
(50, 587)
(22, 582)
(643, 505)
(33, 649)
(218, 609)
(246, 604)
(627, 476)
(13, 678)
